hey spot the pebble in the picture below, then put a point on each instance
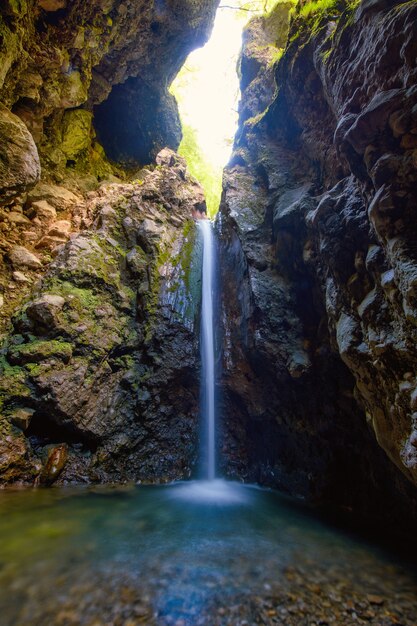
(20, 277)
(375, 599)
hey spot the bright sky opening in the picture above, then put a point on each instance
(207, 90)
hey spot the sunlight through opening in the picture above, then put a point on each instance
(207, 91)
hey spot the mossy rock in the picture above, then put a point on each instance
(38, 351)
(76, 132)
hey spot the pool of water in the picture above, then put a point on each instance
(213, 553)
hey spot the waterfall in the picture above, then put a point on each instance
(207, 351)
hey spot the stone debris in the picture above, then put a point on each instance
(22, 257)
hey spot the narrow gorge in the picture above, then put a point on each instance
(270, 351)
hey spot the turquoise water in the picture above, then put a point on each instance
(188, 554)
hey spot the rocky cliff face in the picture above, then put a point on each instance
(80, 83)
(317, 224)
(102, 359)
(98, 280)
(70, 68)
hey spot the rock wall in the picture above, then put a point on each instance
(98, 274)
(66, 65)
(74, 77)
(99, 376)
(318, 239)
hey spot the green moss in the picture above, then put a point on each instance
(276, 56)
(100, 331)
(100, 263)
(80, 298)
(187, 250)
(256, 119)
(326, 55)
(12, 385)
(319, 6)
(209, 176)
(76, 132)
(34, 369)
(40, 350)
(312, 16)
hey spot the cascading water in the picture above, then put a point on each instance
(207, 352)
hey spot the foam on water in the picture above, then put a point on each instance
(219, 492)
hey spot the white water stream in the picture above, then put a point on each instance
(207, 351)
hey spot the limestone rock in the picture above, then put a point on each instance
(21, 257)
(44, 311)
(19, 160)
(61, 228)
(14, 462)
(115, 60)
(43, 210)
(55, 195)
(17, 218)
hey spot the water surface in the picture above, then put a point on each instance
(188, 554)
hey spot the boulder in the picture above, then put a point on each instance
(55, 195)
(55, 463)
(44, 310)
(43, 210)
(21, 257)
(22, 418)
(76, 133)
(19, 160)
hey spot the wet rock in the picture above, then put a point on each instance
(317, 240)
(14, 461)
(149, 232)
(55, 462)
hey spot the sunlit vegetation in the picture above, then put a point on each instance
(207, 173)
(320, 6)
(207, 91)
